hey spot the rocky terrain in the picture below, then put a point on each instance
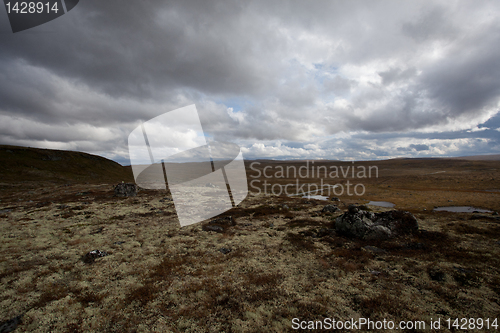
(76, 257)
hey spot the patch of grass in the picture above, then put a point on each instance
(467, 278)
(22, 267)
(300, 242)
(86, 297)
(491, 232)
(261, 279)
(143, 294)
(381, 304)
(52, 292)
(264, 210)
(303, 223)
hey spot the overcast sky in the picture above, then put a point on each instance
(282, 79)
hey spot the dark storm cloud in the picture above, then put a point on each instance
(431, 23)
(143, 50)
(300, 71)
(419, 147)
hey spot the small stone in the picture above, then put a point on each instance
(215, 228)
(224, 250)
(224, 221)
(353, 209)
(335, 199)
(126, 190)
(90, 257)
(329, 209)
(97, 231)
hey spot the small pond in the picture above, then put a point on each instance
(461, 209)
(382, 204)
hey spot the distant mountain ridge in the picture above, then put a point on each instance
(494, 157)
(26, 164)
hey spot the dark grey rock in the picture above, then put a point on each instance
(215, 228)
(126, 190)
(375, 226)
(353, 209)
(11, 324)
(224, 250)
(220, 224)
(90, 257)
(335, 199)
(224, 221)
(330, 209)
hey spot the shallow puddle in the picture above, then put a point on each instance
(317, 197)
(385, 204)
(461, 209)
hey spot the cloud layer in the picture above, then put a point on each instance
(320, 79)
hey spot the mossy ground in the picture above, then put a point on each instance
(159, 277)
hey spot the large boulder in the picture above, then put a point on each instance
(126, 190)
(375, 226)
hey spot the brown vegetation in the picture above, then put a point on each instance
(277, 258)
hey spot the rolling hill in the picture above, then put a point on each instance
(25, 164)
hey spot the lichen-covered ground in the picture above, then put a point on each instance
(284, 262)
